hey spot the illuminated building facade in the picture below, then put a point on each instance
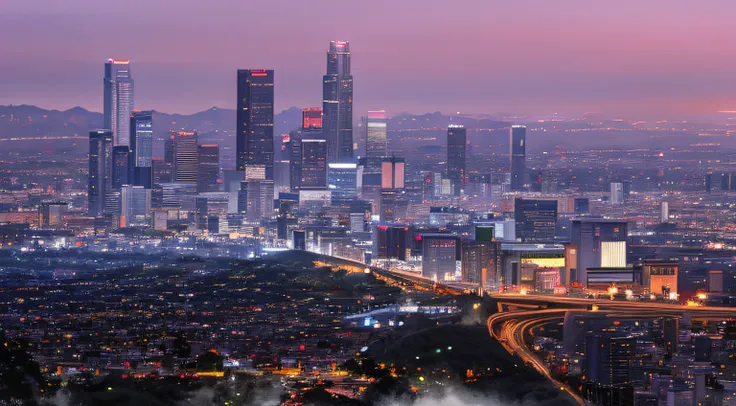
(375, 134)
(118, 100)
(599, 244)
(254, 135)
(185, 157)
(312, 118)
(141, 148)
(441, 254)
(337, 102)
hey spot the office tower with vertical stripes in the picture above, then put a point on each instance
(141, 148)
(254, 136)
(118, 99)
(99, 182)
(185, 157)
(337, 103)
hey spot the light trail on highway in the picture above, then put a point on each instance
(513, 327)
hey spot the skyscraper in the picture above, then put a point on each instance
(609, 359)
(343, 179)
(535, 220)
(118, 99)
(254, 136)
(208, 168)
(456, 145)
(392, 173)
(185, 157)
(314, 165)
(141, 148)
(135, 206)
(617, 193)
(375, 134)
(120, 166)
(99, 183)
(337, 102)
(517, 140)
(600, 244)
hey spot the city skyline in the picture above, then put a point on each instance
(617, 59)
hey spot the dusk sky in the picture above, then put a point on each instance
(630, 57)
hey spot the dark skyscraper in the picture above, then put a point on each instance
(99, 185)
(314, 165)
(456, 145)
(517, 140)
(118, 99)
(141, 148)
(254, 136)
(609, 360)
(120, 166)
(337, 102)
(208, 168)
(535, 220)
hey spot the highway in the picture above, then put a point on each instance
(510, 328)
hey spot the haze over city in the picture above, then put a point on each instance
(652, 59)
(351, 203)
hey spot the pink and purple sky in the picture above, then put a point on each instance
(628, 57)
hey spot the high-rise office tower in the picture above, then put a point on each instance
(456, 146)
(343, 179)
(312, 118)
(141, 148)
(517, 140)
(208, 168)
(314, 165)
(337, 102)
(599, 244)
(161, 171)
(617, 193)
(392, 173)
(185, 157)
(118, 99)
(258, 199)
(120, 166)
(135, 206)
(535, 220)
(441, 255)
(609, 359)
(375, 134)
(99, 184)
(169, 149)
(254, 136)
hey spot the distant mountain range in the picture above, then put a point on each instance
(33, 122)
(25, 121)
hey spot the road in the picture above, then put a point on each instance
(511, 327)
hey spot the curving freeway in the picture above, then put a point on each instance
(511, 328)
